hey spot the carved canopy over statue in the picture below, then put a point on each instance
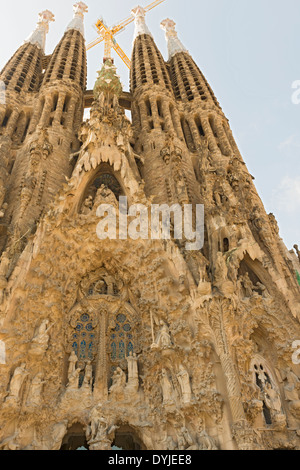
(100, 282)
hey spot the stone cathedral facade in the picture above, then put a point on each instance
(136, 344)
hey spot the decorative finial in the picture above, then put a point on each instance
(174, 44)
(108, 81)
(38, 37)
(79, 9)
(140, 24)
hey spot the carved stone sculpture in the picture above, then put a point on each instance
(16, 382)
(133, 374)
(163, 339)
(167, 388)
(118, 382)
(73, 382)
(40, 341)
(248, 285)
(207, 442)
(58, 433)
(184, 381)
(137, 343)
(34, 398)
(88, 376)
(73, 359)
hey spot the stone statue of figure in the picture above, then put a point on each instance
(36, 390)
(163, 340)
(41, 339)
(272, 399)
(184, 381)
(87, 205)
(292, 386)
(58, 432)
(16, 382)
(185, 441)
(207, 442)
(260, 287)
(133, 374)
(118, 382)
(248, 285)
(100, 434)
(104, 196)
(181, 189)
(167, 387)
(73, 383)
(88, 376)
(73, 359)
(96, 416)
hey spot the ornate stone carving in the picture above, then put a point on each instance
(118, 383)
(16, 383)
(39, 343)
(163, 340)
(184, 381)
(133, 374)
(35, 393)
(147, 344)
(167, 388)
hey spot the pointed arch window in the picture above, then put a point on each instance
(84, 338)
(121, 339)
(106, 179)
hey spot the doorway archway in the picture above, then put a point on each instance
(127, 439)
(75, 438)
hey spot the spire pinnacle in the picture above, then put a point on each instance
(174, 43)
(140, 24)
(108, 81)
(77, 22)
(38, 36)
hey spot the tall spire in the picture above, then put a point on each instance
(140, 24)
(108, 81)
(38, 36)
(174, 43)
(77, 22)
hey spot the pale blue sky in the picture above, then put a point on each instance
(249, 52)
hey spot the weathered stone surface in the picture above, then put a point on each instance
(139, 343)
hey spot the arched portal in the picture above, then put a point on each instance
(126, 439)
(75, 438)
(105, 176)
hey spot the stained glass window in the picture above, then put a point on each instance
(121, 339)
(83, 339)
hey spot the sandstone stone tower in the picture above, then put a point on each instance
(136, 343)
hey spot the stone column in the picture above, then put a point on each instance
(167, 115)
(59, 108)
(155, 116)
(210, 136)
(12, 122)
(241, 431)
(100, 386)
(71, 113)
(44, 121)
